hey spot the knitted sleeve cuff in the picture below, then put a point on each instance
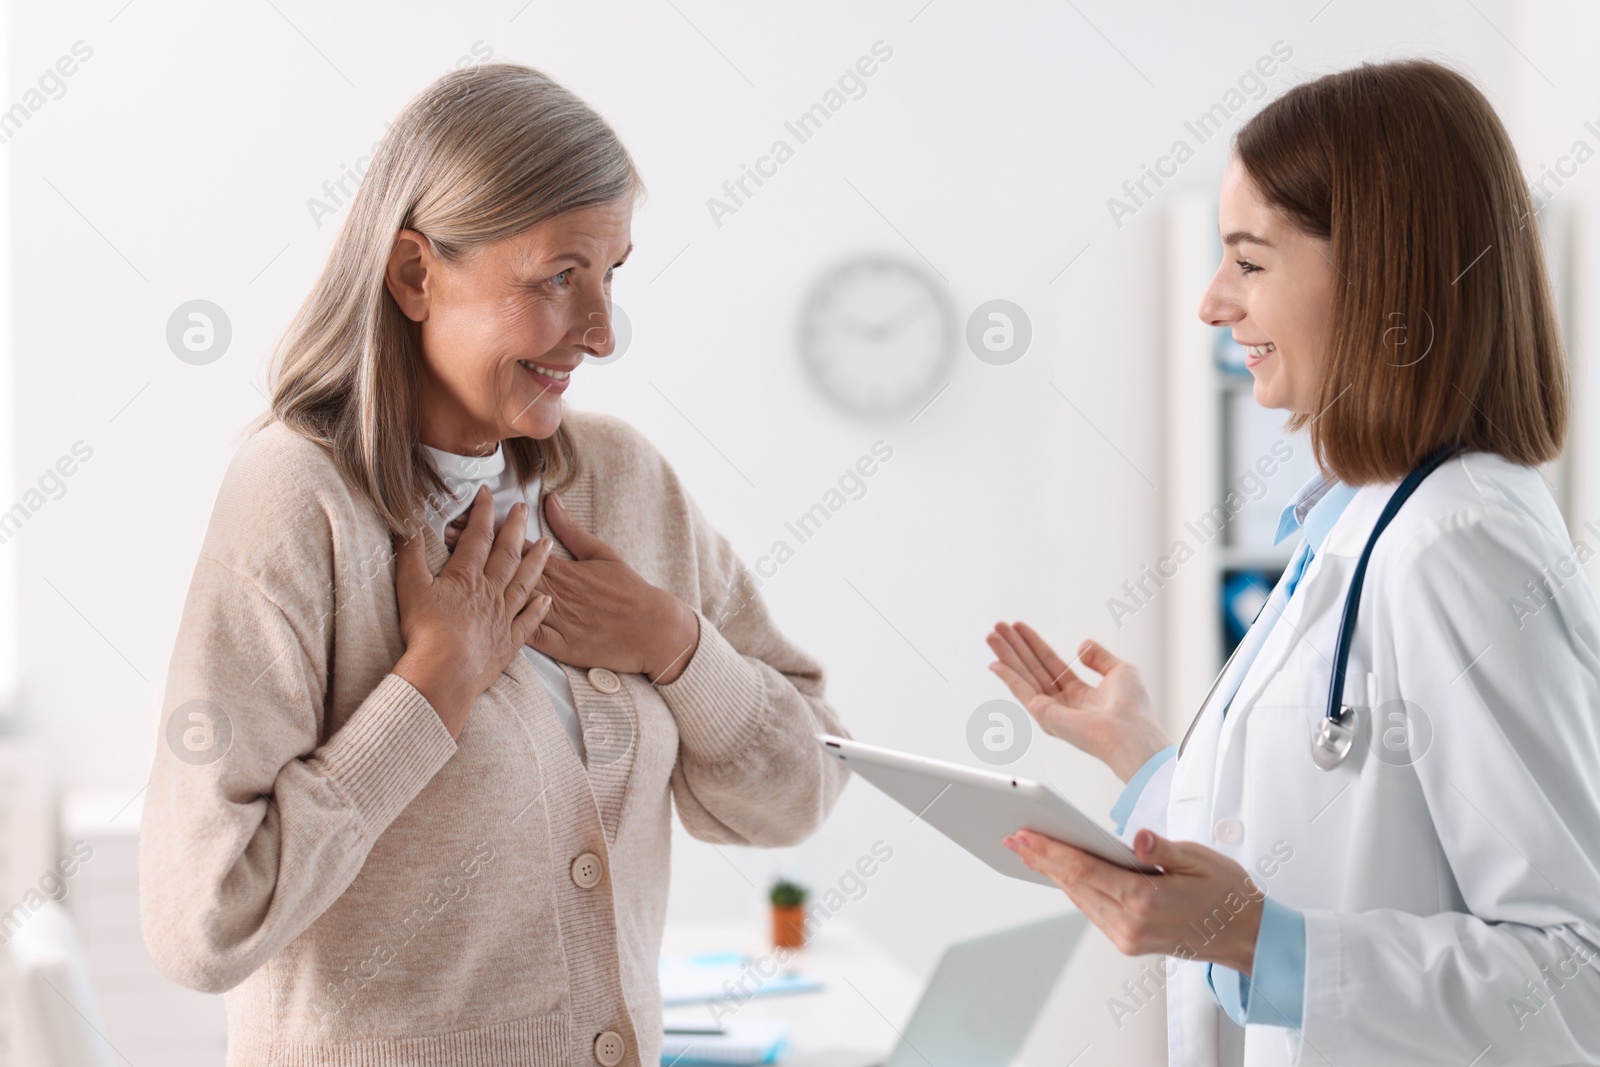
(718, 697)
(387, 751)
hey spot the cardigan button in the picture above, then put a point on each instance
(586, 871)
(608, 1048)
(604, 680)
(1228, 831)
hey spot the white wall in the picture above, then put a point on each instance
(178, 164)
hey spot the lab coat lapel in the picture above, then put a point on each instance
(1349, 535)
(1192, 781)
(1305, 618)
(1283, 623)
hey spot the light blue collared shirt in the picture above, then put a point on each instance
(1278, 978)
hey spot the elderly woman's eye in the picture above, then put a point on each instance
(560, 279)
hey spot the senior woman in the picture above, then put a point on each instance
(414, 807)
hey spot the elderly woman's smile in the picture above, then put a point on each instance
(558, 377)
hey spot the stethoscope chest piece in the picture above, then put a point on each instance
(1335, 736)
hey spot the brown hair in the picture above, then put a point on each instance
(481, 154)
(1406, 169)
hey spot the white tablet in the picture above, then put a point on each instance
(977, 809)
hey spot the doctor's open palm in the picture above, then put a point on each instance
(1112, 721)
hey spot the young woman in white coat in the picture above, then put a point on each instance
(1433, 896)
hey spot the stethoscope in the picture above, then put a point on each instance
(1337, 731)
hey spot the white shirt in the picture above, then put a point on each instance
(463, 475)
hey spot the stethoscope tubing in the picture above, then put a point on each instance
(1338, 715)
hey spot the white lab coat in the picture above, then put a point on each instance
(1439, 869)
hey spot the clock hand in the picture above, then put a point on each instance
(905, 315)
(851, 324)
(878, 331)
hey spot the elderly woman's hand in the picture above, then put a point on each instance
(463, 625)
(603, 613)
(1201, 906)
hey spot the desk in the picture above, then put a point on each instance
(867, 997)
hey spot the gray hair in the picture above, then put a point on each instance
(481, 154)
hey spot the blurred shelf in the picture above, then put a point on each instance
(1232, 558)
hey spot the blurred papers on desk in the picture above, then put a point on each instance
(692, 1040)
(727, 976)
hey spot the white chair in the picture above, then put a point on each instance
(52, 983)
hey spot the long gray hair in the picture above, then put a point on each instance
(481, 154)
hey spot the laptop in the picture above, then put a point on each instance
(982, 1001)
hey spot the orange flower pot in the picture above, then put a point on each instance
(788, 926)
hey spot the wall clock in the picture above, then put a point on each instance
(877, 336)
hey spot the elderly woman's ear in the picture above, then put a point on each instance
(410, 274)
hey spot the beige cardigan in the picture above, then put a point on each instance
(369, 891)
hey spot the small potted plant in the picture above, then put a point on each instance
(788, 914)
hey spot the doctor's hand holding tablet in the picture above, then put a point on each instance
(1379, 842)
(1115, 723)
